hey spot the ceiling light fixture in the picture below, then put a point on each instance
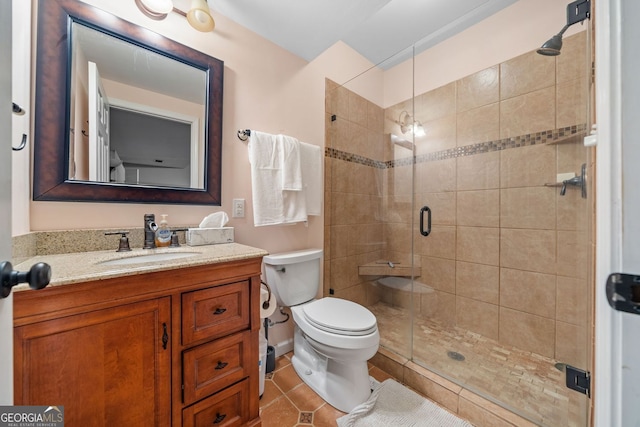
(198, 15)
(408, 124)
(156, 9)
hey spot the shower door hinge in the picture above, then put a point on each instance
(578, 380)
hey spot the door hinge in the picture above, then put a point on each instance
(623, 292)
(578, 380)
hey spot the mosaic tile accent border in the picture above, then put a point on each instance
(354, 158)
(545, 137)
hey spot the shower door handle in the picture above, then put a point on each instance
(422, 229)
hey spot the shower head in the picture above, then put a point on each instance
(552, 46)
(577, 11)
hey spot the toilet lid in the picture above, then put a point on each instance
(340, 316)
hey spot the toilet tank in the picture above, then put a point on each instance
(294, 277)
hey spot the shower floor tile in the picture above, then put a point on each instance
(525, 383)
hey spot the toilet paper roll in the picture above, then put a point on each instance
(264, 296)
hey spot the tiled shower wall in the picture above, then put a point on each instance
(508, 256)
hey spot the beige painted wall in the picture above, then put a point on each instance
(265, 88)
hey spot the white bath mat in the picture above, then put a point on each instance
(392, 404)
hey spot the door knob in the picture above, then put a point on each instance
(37, 277)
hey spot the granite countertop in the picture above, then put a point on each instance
(89, 266)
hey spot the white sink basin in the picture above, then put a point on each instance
(140, 259)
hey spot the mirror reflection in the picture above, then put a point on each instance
(136, 117)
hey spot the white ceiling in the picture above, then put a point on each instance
(377, 29)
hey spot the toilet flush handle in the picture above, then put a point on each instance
(281, 269)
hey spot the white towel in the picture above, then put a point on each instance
(294, 202)
(266, 179)
(290, 161)
(272, 204)
(294, 206)
(311, 165)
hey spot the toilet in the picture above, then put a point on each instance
(333, 337)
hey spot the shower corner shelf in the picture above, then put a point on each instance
(382, 268)
(567, 139)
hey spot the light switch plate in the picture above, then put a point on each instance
(238, 208)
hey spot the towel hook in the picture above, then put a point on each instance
(23, 143)
(244, 134)
(17, 109)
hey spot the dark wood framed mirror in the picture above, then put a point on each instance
(51, 165)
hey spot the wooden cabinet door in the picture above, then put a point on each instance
(110, 367)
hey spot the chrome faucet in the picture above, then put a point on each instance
(150, 228)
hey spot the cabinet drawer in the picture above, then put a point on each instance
(215, 312)
(228, 408)
(213, 366)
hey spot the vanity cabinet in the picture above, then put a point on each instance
(170, 348)
(106, 365)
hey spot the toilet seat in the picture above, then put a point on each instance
(341, 317)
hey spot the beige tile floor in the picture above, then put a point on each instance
(288, 402)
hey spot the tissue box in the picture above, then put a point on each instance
(209, 236)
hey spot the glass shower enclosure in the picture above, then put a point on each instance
(456, 214)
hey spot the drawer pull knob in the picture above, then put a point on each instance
(219, 310)
(219, 418)
(221, 365)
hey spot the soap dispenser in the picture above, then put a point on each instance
(163, 233)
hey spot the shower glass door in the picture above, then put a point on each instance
(502, 304)
(369, 176)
